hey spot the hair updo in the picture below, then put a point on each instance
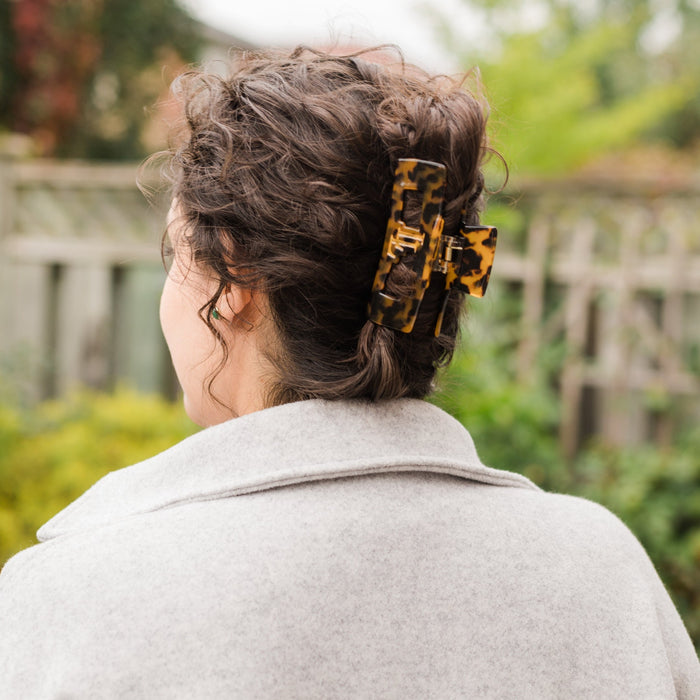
(284, 180)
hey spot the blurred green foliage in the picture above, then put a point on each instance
(50, 454)
(569, 82)
(551, 113)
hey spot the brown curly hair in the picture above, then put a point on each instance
(284, 178)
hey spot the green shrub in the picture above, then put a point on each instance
(514, 427)
(655, 492)
(51, 454)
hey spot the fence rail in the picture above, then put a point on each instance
(610, 271)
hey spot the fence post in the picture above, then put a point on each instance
(533, 296)
(23, 295)
(578, 296)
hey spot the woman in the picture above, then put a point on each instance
(340, 537)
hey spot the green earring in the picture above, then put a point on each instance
(215, 314)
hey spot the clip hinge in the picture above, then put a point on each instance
(450, 255)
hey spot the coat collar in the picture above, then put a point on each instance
(289, 444)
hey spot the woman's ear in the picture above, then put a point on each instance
(238, 305)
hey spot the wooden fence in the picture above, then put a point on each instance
(609, 274)
(80, 279)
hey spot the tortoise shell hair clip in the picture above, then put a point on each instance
(460, 261)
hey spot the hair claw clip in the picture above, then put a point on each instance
(422, 243)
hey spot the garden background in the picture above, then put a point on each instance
(581, 367)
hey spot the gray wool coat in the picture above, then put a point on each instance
(336, 550)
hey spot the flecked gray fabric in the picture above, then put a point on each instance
(336, 550)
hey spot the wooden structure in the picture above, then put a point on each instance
(611, 271)
(80, 279)
(608, 274)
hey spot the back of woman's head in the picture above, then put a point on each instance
(285, 179)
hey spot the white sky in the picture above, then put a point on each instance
(288, 22)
